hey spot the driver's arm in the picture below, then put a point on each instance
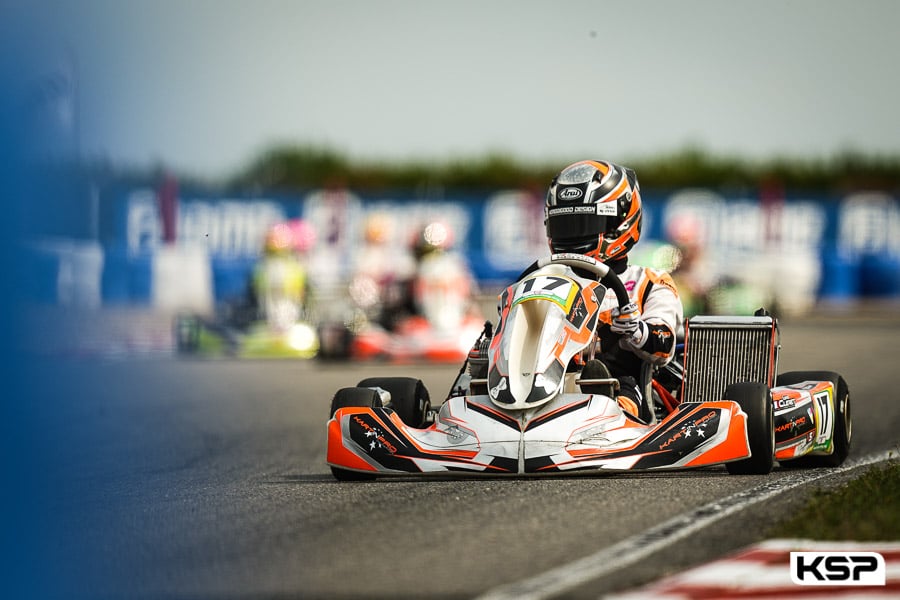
(661, 316)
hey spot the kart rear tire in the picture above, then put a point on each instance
(755, 399)
(186, 330)
(843, 422)
(351, 398)
(335, 340)
(409, 397)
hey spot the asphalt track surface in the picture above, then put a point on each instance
(206, 479)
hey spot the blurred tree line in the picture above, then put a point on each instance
(303, 167)
(69, 198)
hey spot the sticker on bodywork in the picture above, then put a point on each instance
(562, 291)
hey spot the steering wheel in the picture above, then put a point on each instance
(606, 275)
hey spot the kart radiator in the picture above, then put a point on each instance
(720, 351)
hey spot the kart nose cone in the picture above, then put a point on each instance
(525, 390)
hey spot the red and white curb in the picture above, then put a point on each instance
(763, 572)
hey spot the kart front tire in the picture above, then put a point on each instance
(755, 399)
(409, 397)
(843, 423)
(352, 398)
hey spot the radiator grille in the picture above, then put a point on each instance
(720, 352)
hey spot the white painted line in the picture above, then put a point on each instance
(633, 549)
(763, 571)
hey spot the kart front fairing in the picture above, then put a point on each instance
(545, 320)
(571, 433)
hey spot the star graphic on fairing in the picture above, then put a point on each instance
(699, 430)
(374, 434)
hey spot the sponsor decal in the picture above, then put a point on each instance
(607, 209)
(574, 256)
(663, 334)
(547, 383)
(559, 290)
(455, 435)
(570, 193)
(784, 402)
(792, 425)
(578, 313)
(837, 568)
(495, 391)
(581, 209)
(824, 411)
(696, 429)
(375, 436)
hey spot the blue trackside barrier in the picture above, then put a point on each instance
(856, 239)
(231, 277)
(879, 276)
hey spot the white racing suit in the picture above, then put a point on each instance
(656, 296)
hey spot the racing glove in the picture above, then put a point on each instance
(627, 323)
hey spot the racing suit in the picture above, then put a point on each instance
(656, 296)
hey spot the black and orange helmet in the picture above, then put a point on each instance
(594, 208)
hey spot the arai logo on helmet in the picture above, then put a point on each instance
(570, 193)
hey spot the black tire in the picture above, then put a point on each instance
(409, 397)
(186, 330)
(843, 422)
(355, 397)
(755, 399)
(335, 340)
(349, 398)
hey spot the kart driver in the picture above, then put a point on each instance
(279, 286)
(594, 208)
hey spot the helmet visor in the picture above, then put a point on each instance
(576, 222)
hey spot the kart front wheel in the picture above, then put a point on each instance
(409, 397)
(755, 399)
(351, 398)
(843, 424)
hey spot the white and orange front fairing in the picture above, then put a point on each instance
(545, 320)
(570, 433)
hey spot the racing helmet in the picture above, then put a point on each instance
(279, 240)
(434, 238)
(303, 235)
(377, 229)
(594, 207)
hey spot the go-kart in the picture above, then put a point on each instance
(428, 319)
(239, 331)
(539, 407)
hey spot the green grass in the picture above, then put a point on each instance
(865, 509)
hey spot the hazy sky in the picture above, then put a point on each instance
(203, 86)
